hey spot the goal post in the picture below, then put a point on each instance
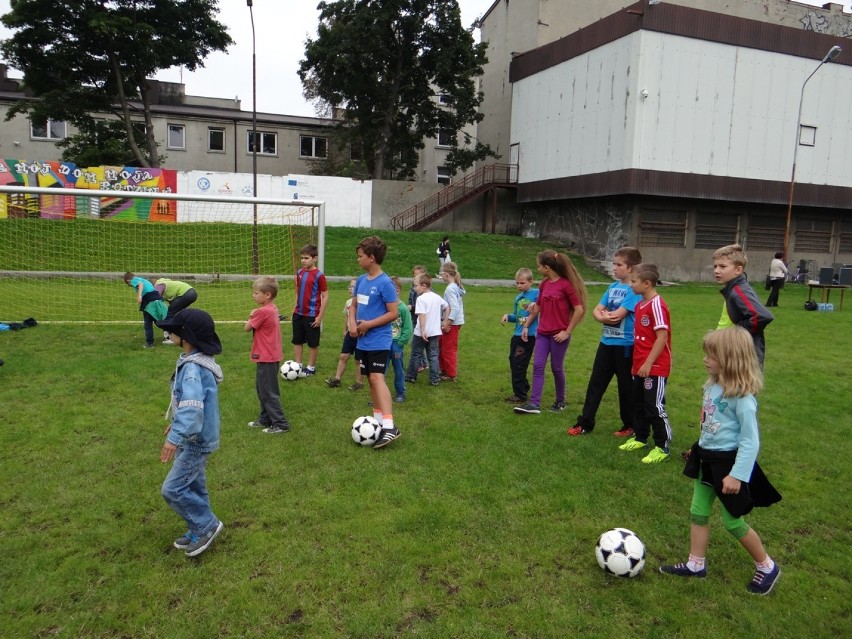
(63, 252)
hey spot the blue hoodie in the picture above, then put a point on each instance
(194, 404)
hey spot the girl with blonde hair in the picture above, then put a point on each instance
(448, 357)
(723, 462)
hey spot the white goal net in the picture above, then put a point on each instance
(63, 252)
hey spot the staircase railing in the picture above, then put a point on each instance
(454, 194)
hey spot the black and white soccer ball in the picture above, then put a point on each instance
(366, 430)
(290, 370)
(620, 552)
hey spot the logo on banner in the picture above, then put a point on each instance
(203, 184)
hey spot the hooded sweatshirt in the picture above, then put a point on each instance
(194, 406)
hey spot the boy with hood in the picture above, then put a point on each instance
(194, 429)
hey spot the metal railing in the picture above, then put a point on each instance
(454, 194)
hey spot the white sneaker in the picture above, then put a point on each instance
(168, 342)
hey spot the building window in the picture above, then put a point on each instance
(807, 135)
(813, 235)
(713, 230)
(446, 137)
(765, 233)
(444, 175)
(267, 143)
(662, 228)
(216, 140)
(443, 98)
(312, 147)
(845, 245)
(47, 129)
(177, 136)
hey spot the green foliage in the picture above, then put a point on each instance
(477, 523)
(380, 64)
(84, 59)
(102, 144)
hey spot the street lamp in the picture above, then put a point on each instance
(255, 261)
(832, 53)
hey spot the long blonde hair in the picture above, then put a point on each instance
(452, 270)
(739, 373)
(562, 265)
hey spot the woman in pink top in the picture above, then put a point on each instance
(560, 307)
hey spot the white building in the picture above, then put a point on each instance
(674, 128)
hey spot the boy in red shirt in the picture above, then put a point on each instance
(311, 302)
(652, 364)
(266, 353)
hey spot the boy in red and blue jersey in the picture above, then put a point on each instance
(311, 302)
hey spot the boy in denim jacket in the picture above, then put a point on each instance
(194, 430)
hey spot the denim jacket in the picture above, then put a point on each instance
(195, 403)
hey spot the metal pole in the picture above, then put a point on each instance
(832, 53)
(255, 258)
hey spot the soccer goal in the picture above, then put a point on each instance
(63, 252)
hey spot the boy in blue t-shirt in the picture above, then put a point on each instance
(374, 308)
(615, 351)
(522, 343)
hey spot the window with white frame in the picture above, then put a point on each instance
(177, 136)
(267, 143)
(48, 129)
(313, 147)
(216, 140)
(444, 175)
(446, 137)
(443, 98)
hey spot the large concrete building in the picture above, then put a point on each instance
(674, 127)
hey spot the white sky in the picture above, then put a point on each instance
(281, 27)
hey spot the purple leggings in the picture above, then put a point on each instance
(545, 345)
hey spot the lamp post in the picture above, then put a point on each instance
(255, 261)
(832, 53)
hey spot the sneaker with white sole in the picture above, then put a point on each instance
(307, 372)
(277, 430)
(763, 582)
(388, 435)
(632, 444)
(527, 409)
(198, 544)
(257, 425)
(181, 543)
(682, 570)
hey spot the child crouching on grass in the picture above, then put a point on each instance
(723, 462)
(194, 430)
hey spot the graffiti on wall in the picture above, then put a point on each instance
(66, 176)
(828, 24)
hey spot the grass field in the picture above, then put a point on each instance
(476, 523)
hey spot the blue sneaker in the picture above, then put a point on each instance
(682, 570)
(763, 582)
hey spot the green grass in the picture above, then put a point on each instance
(98, 245)
(476, 523)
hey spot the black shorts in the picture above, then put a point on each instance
(372, 361)
(349, 344)
(303, 332)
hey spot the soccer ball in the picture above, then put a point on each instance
(620, 552)
(290, 370)
(366, 430)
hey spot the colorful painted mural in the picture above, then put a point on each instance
(65, 176)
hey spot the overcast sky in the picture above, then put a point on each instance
(281, 27)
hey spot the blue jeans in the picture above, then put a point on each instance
(396, 360)
(185, 491)
(418, 346)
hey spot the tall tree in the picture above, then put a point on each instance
(379, 64)
(84, 58)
